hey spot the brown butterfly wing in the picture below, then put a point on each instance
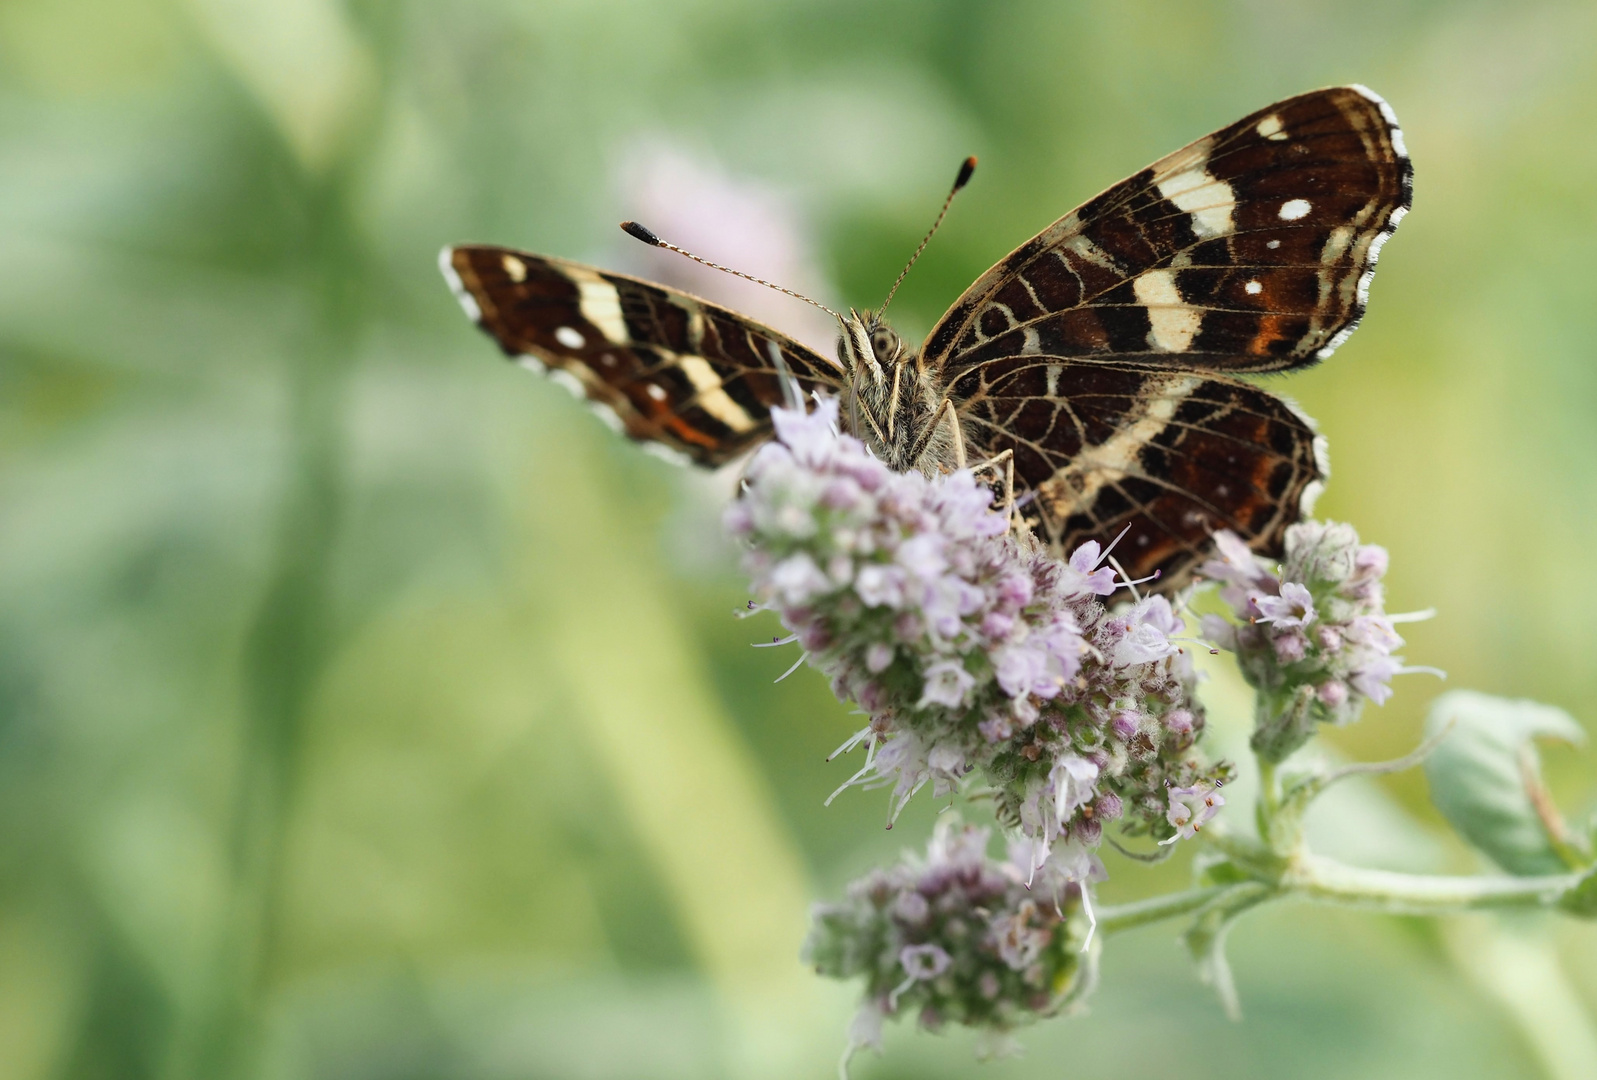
(1250, 250)
(667, 368)
(1169, 456)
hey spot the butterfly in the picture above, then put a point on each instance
(1099, 360)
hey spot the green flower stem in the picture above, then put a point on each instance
(1158, 908)
(1326, 881)
(1315, 877)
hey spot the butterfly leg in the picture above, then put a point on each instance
(919, 449)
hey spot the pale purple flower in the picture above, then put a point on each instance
(1147, 635)
(1086, 575)
(911, 908)
(1290, 647)
(1312, 639)
(1294, 607)
(954, 937)
(966, 643)
(1372, 678)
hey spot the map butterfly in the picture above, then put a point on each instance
(1102, 355)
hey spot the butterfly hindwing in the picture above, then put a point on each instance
(675, 371)
(1249, 250)
(1169, 456)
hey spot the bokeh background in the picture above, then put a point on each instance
(367, 710)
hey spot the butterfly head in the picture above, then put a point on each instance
(869, 349)
(890, 400)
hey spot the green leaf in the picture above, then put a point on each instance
(1582, 899)
(1485, 777)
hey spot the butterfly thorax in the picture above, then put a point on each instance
(892, 401)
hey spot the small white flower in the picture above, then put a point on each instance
(880, 586)
(1191, 808)
(797, 580)
(947, 683)
(922, 556)
(923, 961)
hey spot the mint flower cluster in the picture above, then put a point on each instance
(954, 937)
(1313, 637)
(970, 649)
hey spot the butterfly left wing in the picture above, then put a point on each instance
(671, 370)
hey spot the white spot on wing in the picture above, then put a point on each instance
(1208, 199)
(1253, 288)
(446, 265)
(515, 269)
(570, 337)
(1174, 323)
(1293, 209)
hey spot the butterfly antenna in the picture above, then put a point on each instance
(965, 169)
(639, 232)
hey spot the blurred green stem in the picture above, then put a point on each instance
(289, 641)
(1156, 909)
(1316, 878)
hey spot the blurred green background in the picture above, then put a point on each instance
(367, 710)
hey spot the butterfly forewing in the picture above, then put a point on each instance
(1095, 351)
(674, 370)
(1249, 250)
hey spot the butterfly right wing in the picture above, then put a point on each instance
(669, 369)
(1098, 351)
(1250, 250)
